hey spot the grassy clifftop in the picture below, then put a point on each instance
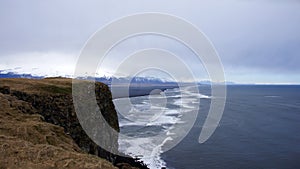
(39, 127)
(27, 140)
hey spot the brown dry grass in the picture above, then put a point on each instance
(39, 86)
(26, 141)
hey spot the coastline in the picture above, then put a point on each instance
(121, 91)
(51, 100)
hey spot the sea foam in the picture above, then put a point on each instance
(138, 141)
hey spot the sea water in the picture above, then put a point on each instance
(259, 128)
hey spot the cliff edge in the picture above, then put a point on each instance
(39, 127)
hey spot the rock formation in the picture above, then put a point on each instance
(39, 127)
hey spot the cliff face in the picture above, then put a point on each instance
(26, 106)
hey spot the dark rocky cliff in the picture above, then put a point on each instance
(52, 99)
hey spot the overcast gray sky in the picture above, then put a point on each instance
(258, 41)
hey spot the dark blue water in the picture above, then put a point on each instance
(260, 128)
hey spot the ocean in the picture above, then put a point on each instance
(259, 128)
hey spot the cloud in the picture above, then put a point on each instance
(36, 63)
(250, 36)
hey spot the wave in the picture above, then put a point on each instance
(140, 125)
(272, 96)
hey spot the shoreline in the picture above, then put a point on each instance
(121, 91)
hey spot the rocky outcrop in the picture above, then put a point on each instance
(27, 141)
(50, 100)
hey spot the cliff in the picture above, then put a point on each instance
(39, 127)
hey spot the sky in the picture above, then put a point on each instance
(258, 41)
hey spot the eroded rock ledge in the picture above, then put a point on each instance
(39, 127)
